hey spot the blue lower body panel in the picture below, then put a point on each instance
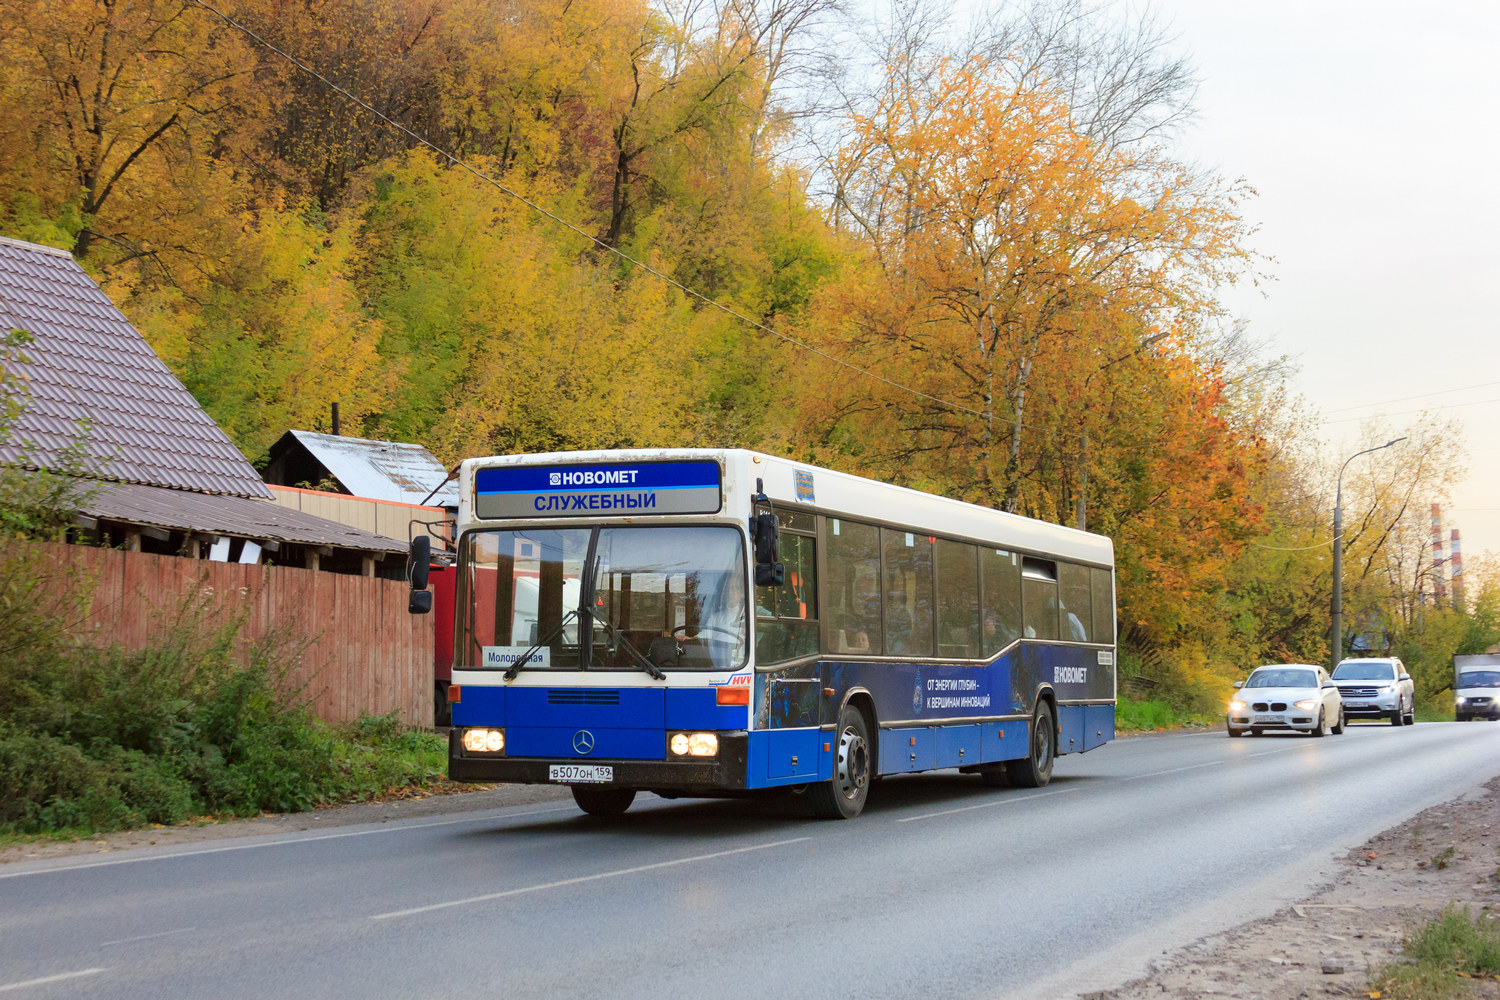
(789, 757)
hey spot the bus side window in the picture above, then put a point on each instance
(957, 599)
(1073, 596)
(908, 592)
(1039, 598)
(787, 626)
(1000, 572)
(852, 579)
(1104, 605)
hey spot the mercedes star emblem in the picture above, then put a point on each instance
(583, 741)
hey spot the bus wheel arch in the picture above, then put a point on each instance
(1035, 769)
(844, 795)
(863, 702)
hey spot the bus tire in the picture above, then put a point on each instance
(844, 796)
(1035, 769)
(605, 801)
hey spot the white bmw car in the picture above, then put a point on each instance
(1295, 696)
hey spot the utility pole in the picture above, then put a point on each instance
(1336, 633)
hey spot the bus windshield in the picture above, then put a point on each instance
(608, 598)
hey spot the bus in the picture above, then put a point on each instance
(697, 622)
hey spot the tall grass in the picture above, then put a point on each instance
(93, 740)
(1443, 957)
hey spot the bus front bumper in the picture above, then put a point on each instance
(725, 771)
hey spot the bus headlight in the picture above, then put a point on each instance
(694, 744)
(483, 740)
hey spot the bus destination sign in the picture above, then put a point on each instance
(597, 490)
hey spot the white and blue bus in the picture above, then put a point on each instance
(722, 622)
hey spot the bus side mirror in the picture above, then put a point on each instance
(770, 576)
(420, 565)
(764, 534)
(418, 568)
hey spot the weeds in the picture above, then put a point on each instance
(1441, 955)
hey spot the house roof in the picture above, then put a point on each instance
(89, 368)
(377, 470)
(245, 517)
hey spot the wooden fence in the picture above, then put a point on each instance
(354, 647)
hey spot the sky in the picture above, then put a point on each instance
(1371, 131)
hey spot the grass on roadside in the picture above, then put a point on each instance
(1132, 715)
(1444, 956)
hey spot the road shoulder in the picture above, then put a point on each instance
(386, 811)
(1331, 943)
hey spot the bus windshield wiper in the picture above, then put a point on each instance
(641, 659)
(545, 640)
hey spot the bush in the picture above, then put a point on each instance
(96, 740)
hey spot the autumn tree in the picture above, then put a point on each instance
(116, 113)
(1004, 237)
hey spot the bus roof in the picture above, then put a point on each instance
(790, 483)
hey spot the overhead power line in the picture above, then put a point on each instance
(481, 175)
(1401, 413)
(1407, 399)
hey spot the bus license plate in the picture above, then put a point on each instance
(581, 773)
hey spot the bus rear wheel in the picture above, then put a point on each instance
(844, 796)
(1035, 769)
(603, 801)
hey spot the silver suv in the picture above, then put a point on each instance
(1376, 687)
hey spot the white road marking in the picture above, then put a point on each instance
(999, 800)
(584, 878)
(50, 979)
(278, 843)
(146, 937)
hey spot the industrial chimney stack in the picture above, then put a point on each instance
(1456, 564)
(1439, 586)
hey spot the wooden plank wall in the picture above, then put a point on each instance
(379, 517)
(353, 647)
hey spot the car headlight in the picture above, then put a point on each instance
(483, 740)
(1236, 705)
(694, 744)
(1306, 706)
(1462, 701)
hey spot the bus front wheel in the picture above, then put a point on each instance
(603, 801)
(1035, 769)
(844, 796)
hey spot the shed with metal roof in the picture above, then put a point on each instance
(374, 470)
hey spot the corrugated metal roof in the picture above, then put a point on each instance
(244, 517)
(382, 470)
(89, 366)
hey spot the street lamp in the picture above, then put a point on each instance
(1337, 633)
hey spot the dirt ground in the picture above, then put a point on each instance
(1331, 944)
(1326, 946)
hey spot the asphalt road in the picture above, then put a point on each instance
(942, 888)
